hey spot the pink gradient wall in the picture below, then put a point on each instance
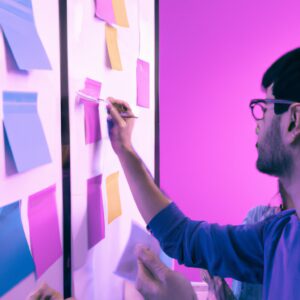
(212, 57)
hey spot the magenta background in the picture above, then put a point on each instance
(212, 57)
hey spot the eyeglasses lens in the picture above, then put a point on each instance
(258, 111)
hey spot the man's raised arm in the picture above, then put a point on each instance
(148, 197)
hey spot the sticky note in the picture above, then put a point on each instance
(112, 11)
(91, 111)
(143, 82)
(10, 166)
(111, 36)
(17, 22)
(44, 229)
(21, 124)
(25, 135)
(113, 197)
(120, 12)
(96, 227)
(127, 265)
(15, 260)
(105, 11)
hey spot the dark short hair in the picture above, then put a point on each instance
(284, 74)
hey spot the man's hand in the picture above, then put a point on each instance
(120, 128)
(156, 281)
(45, 292)
(218, 289)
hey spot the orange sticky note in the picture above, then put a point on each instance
(111, 36)
(120, 12)
(113, 197)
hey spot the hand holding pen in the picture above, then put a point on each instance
(121, 106)
(120, 127)
(120, 121)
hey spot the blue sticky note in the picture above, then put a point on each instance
(24, 131)
(17, 22)
(15, 260)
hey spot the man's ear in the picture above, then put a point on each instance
(294, 122)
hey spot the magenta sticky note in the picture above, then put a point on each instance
(44, 229)
(91, 111)
(143, 83)
(91, 122)
(96, 229)
(105, 11)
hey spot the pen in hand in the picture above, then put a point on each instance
(122, 109)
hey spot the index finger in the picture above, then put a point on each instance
(120, 102)
(146, 284)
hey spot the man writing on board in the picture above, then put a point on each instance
(267, 252)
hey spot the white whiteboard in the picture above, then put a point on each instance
(47, 84)
(93, 276)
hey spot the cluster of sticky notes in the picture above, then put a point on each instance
(17, 23)
(112, 11)
(25, 140)
(16, 260)
(95, 210)
(143, 83)
(111, 37)
(92, 89)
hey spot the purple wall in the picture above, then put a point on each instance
(212, 57)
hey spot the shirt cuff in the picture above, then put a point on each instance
(165, 219)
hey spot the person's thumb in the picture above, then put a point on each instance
(146, 284)
(152, 262)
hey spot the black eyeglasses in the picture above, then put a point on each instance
(258, 106)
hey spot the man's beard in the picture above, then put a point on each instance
(273, 157)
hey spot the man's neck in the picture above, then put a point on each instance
(291, 192)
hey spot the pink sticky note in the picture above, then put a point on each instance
(96, 229)
(91, 111)
(143, 77)
(105, 11)
(44, 229)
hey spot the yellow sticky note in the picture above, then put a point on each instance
(120, 12)
(111, 36)
(113, 197)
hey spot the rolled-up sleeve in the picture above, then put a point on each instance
(226, 251)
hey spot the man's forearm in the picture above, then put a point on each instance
(148, 197)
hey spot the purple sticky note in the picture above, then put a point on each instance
(91, 111)
(25, 138)
(96, 229)
(143, 82)
(105, 11)
(91, 122)
(17, 22)
(44, 229)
